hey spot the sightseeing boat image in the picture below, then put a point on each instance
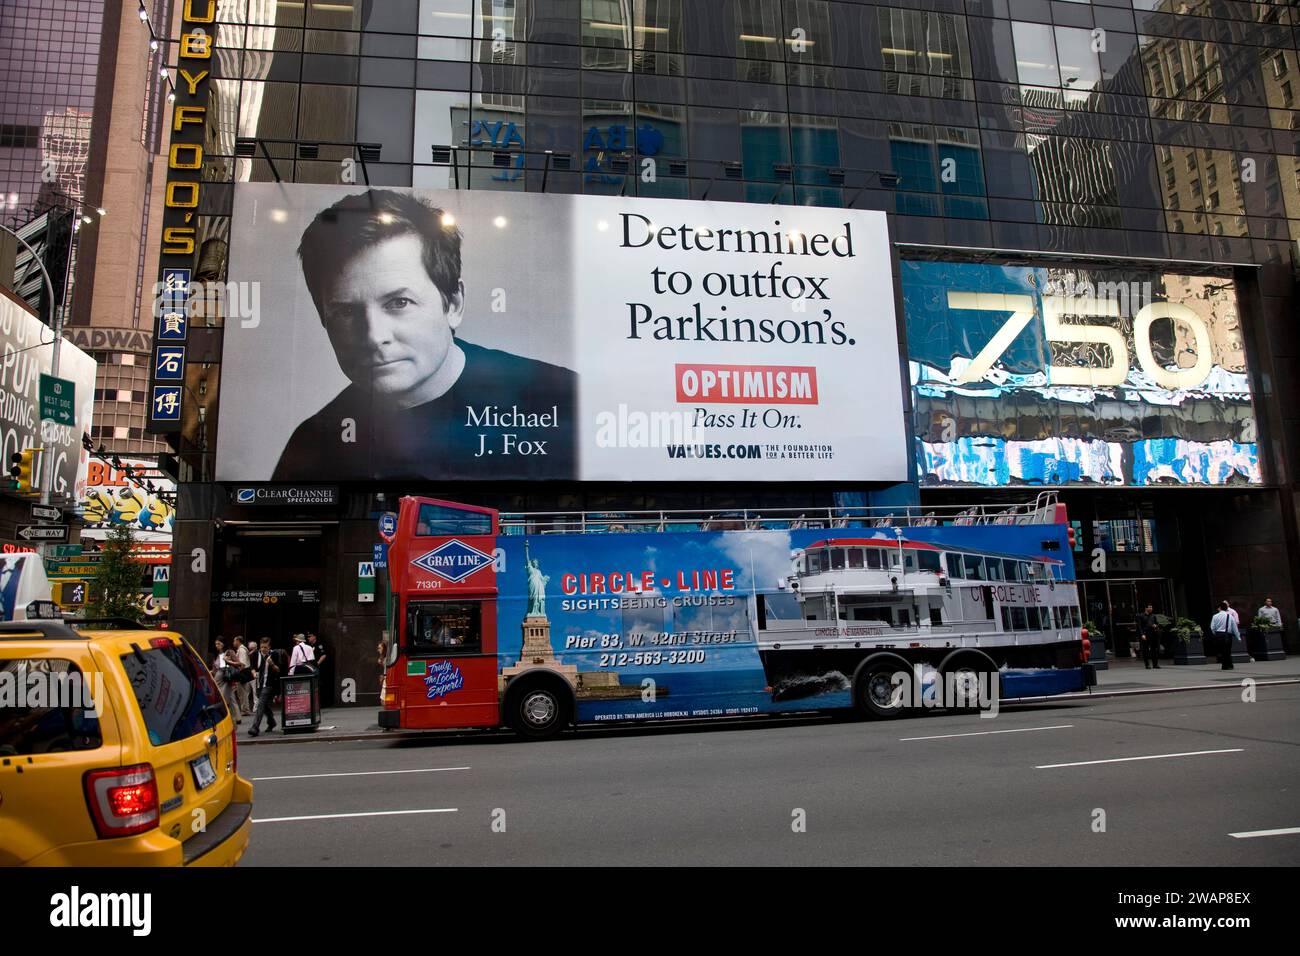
(850, 597)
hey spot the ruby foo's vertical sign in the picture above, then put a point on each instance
(171, 310)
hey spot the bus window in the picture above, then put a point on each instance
(442, 520)
(974, 566)
(936, 615)
(855, 557)
(1074, 617)
(904, 617)
(873, 558)
(954, 565)
(929, 561)
(837, 559)
(994, 568)
(443, 627)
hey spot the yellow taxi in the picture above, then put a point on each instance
(116, 749)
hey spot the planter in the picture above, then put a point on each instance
(1098, 657)
(1191, 651)
(1265, 645)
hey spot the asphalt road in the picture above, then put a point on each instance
(1027, 787)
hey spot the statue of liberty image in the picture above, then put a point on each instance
(536, 586)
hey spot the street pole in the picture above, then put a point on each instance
(56, 319)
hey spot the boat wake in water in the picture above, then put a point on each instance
(798, 686)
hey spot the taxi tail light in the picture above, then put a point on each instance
(123, 800)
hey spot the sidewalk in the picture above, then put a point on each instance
(1124, 676)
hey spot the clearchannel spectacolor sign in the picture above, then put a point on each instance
(408, 334)
(286, 495)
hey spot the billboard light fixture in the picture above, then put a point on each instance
(441, 155)
(245, 148)
(500, 158)
(308, 150)
(369, 152)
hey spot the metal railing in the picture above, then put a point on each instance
(1039, 511)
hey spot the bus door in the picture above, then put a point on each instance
(442, 568)
(449, 650)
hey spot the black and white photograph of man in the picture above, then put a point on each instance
(384, 272)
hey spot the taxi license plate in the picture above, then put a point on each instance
(204, 775)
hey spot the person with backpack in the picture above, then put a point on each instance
(302, 660)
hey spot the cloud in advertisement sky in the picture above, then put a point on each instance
(764, 553)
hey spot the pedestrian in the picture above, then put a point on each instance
(267, 677)
(221, 672)
(243, 686)
(301, 660)
(1224, 629)
(1149, 635)
(381, 649)
(1270, 614)
(1232, 611)
(320, 653)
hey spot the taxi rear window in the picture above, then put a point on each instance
(175, 692)
(46, 706)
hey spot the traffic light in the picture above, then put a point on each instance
(22, 469)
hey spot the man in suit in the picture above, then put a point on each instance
(1149, 635)
(267, 673)
(1224, 629)
(384, 272)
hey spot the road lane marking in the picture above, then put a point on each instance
(345, 816)
(1090, 763)
(985, 733)
(359, 773)
(1248, 834)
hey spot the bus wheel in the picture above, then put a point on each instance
(538, 712)
(878, 692)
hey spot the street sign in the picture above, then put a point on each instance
(381, 556)
(387, 525)
(58, 400)
(46, 513)
(43, 532)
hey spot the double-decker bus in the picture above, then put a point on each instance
(539, 622)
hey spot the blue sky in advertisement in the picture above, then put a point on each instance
(1065, 375)
(717, 667)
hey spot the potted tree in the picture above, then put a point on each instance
(1264, 639)
(1188, 648)
(1097, 638)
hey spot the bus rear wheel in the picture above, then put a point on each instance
(878, 692)
(537, 712)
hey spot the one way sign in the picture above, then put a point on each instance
(46, 532)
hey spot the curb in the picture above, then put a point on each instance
(1150, 690)
(424, 734)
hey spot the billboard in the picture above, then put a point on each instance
(479, 334)
(27, 346)
(1071, 376)
(115, 496)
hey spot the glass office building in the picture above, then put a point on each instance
(1045, 146)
